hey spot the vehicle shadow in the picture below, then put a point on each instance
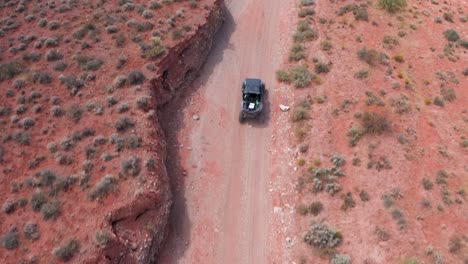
(172, 121)
(263, 119)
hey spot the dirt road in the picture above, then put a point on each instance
(223, 207)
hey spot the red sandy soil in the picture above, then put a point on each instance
(224, 205)
(434, 135)
(134, 214)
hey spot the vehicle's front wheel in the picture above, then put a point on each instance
(241, 117)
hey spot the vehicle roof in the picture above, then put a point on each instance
(252, 86)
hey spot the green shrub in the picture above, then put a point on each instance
(399, 58)
(374, 123)
(455, 244)
(451, 35)
(326, 45)
(301, 76)
(156, 50)
(66, 251)
(283, 76)
(392, 6)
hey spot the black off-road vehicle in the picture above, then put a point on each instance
(253, 91)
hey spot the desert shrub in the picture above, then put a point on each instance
(448, 94)
(60, 66)
(439, 101)
(338, 160)
(143, 103)
(8, 207)
(105, 186)
(455, 244)
(9, 70)
(392, 6)
(42, 77)
(102, 237)
(299, 114)
(315, 208)
(136, 77)
(147, 14)
(464, 43)
(155, 5)
(27, 122)
(156, 49)
(451, 35)
(111, 100)
(124, 123)
(364, 196)
(54, 55)
(427, 184)
(283, 76)
(57, 111)
(371, 56)
(326, 45)
(354, 135)
(307, 2)
(66, 251)
(297, 52)
(37, 200)
(64, 159)
(46, 177)
(321, 236)
(374, 123)
(33, 56)
(88, 63)
(74, 113)
(362, 74)
(122, 108)
(53, 25)
(340, 259)
(361, 14)
(348, 201)
(322, 68)
(304, 32)
(22, 138)
(448, 17)
(10, 240)
(301, 76)
(306, 11)
(50, 210)
(66, 144)
(401, 104)
(131, 166)
(399, 58)
(31, 231)
(72, 83)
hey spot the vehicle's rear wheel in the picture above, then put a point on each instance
(241, 117)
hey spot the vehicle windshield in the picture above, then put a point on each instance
(251, 97)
